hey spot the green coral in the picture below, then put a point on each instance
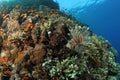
(68, 69)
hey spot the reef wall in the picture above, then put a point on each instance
(43, 43)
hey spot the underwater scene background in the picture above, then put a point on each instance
(102, 16)
(59, 40)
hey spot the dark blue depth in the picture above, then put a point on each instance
(104, 20)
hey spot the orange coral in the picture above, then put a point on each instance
(28, 26)
(2, 61)
(8, 72)
(23, 15)
(54, 15)
(36, 15)
(20, 57)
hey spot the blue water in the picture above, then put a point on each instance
(103, 18)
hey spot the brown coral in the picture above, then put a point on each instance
(38, 54)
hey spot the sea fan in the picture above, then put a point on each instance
(12, 25)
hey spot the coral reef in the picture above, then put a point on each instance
(43, 43)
